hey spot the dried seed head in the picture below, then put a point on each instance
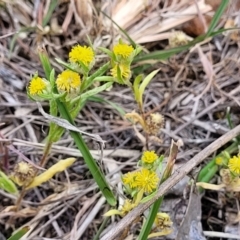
(178, 38)
(226, 176)
(154, 122)
(23, 174)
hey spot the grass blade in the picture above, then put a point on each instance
(20, 233)
(218, 14)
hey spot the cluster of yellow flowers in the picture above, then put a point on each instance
(146, 178)
(69, 81)
(81, 60)
(140, 182)
(121, 60)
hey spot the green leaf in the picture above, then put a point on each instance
(136, 84)
(122, 30)
(144, 84)
(45, 62)
(147, 198)
(114, 105)
(91, 79)
(95, 91)
(96, 172)
(20, 233)
(15, 37)
(7, 184)
(108, 52)
(52, 6)
(218, 14)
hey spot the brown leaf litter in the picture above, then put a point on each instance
(192, 91)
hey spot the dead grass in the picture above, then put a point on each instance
(192, 90)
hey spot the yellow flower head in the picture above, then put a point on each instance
(149, 157)
(67, 81)
(219, 161)
(123, 50)
(37, 86)
(146, 180)
(124, 69)
(234, 164)
(129, 179)
(81, 54)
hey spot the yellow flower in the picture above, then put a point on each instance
(81, 54)
(149, 157)
(123, 50)
(68, 80)
(219, 161)
(124, 69)
(129, 179)
(37, 85)
(234, 164)
(146, 180)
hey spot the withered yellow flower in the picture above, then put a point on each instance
(23, 173)
(154, 122)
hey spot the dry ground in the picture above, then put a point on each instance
(192, 98)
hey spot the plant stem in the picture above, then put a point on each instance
(47, 149)
(93, 167)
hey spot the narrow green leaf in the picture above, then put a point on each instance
(95, 91)
(218, 14)
(7, 184)
(66, 65)
(52, 6)
(144, 84)
(20, 233)
(108, 52)
(122, 30)
(45, 62)
(147, 198)
(98, 176)
(90, 80)
(15, 37)
(136, 84)
(114, 105)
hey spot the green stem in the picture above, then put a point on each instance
(154, 209)
(210, 169)
(91, 163)
(96, 237)
(47, 149)
(150, 220)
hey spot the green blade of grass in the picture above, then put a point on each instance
(122, 30)
(218, 14)
(92, 165)
(52, 6)
(20, 233)
(114, 105)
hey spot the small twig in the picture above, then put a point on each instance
(173, 180)
(221, 235)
